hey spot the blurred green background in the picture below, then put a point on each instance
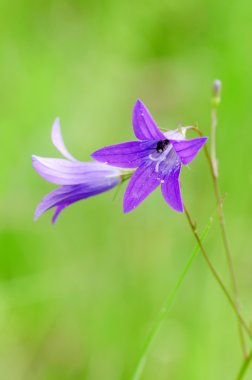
(77, 299)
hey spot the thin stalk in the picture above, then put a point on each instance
(244, 366)
(213, 141)
(216, 275)
(213, 169)
(214, 166)
(166, 308)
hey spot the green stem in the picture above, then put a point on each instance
(221, 217)
(214, 171)
(244, 366)
(215, 274)
(166, 308)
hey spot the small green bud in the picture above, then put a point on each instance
(216, 93)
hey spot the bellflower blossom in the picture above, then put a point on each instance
(78, 180)
(158, 157)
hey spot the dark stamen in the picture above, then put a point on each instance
(162, 145)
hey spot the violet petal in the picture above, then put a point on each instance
(144, 126)
(64, 172)
(66, 195)
(188, 149)
(125, 155)
(58, 141)
(141, 184)
(57, 212)
(171, 190)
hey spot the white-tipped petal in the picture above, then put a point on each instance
(58, 141)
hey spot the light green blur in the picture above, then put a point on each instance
(78, 299)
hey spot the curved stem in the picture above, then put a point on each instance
(214, 165)
(219, 200)
(216, 275)
(213, 141)
(244, 366)
(165, 309)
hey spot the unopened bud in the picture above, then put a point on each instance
(216, 94)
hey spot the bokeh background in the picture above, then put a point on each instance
(78, 299)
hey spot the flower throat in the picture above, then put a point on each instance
(162, 145)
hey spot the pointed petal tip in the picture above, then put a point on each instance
(58, 141)
(40, 167)
(35, 160)
(56, 131)
(40, 210)
(127, 209)
(177, 205)
(138, 102)
(187, 150)
(94, 155)
(54, 218)
(35, 164)
(56, 124)
(171, 190)
(128, 206)
(180, 209)
(36, 215)
(204, 139)
(57, 212)
(143, 123)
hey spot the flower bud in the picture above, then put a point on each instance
(216, 92)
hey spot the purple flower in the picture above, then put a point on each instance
(157, 156)
(79, 180)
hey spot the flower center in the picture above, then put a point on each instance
(162, 145)
(163, 148)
